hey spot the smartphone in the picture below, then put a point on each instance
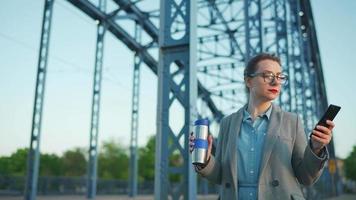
(330, 114)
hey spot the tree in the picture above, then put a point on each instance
(50, 165)
(18, 162)
(74, 163)
(146, 161)
(5, 165)
(350, 165)
(113, 161)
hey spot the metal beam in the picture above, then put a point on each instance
(34, 151)
(153, 31)
(174, 49)
(317, 86)
(297, 61)
(91, 10)
(133, 170)
(253, 28)
(141, 17)
(95, 109)
(281, 43)
(234, 44)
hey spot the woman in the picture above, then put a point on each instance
(262, 151)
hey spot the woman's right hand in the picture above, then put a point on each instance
(210, 144)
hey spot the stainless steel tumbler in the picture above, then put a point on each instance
(199, 154)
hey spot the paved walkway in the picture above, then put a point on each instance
(109, 197)
(150, 197)
(344, 197)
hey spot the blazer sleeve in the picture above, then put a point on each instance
(306, 164)
(212, 171)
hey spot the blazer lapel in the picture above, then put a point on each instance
(271, 136)
(234, 130)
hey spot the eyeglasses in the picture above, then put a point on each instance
(270, 77)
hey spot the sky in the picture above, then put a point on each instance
(67, 106)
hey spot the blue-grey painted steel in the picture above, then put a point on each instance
(95, 109)
(120, 33)
(221, 52)
(216, 15)
(253, 28)
(297, 61)
(309, 28)
(282, 44)
(231, 33)
(318, 99)
(177, 69)
(153, 32)
(133, 170)
(309, 93)
(34, 150)
(311, 105)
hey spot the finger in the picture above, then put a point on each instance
(210, 142)
(324, 129)
(320, 134)
(321, 137)
(320, 140)
(192, 138)
(331, 124)
(191, 144)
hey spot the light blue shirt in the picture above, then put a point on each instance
(249, 148)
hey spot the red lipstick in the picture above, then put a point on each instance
(273, 91)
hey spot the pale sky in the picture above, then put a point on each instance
(66, 117)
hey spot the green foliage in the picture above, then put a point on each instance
(175, 160)
(16, 163)
(146, 161)
(74, 163)
(350, 165)
(5, 165)
(113, 161)
(50, 165)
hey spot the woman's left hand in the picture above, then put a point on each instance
(322, 136)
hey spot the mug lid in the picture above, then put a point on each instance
(201, 122)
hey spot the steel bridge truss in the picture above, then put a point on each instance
(198, 50)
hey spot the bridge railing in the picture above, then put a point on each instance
(14, 185)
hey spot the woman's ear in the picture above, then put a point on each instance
(248, 82)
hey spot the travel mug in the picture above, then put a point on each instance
(199, 154)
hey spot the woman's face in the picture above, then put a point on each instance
(260, 86)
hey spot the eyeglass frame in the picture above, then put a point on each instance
(274, 77)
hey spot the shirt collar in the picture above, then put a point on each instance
(247, 115)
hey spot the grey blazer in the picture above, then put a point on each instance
(287, 160)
